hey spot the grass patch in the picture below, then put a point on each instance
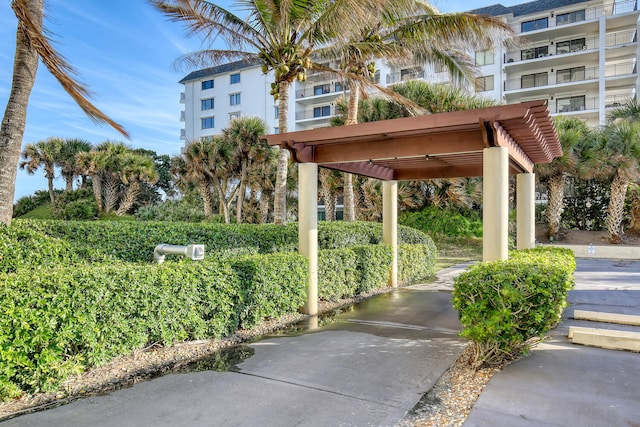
(41, 212)
(456, 250)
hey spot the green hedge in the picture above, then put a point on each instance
(373, 264)
(434, 220)
(70, 318)
(416, 263)
(134, 241)
(504, 306)
(337, 274)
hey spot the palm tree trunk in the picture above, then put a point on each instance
(242, 190)
(327, 196)
(207, 199)
(280, 199)
(68, 181)
(615, 211)
(25, 65)
(264, 207)
(130, 195)
(111, 194)
(635, 215)
(352, 118)
(96, 184)
(223, 205)
(555, 203)
(50, 186)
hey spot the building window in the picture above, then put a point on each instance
(276, 130)
(572, 103)
(235, 78)
(569, 18)
(484, 57)
(575, 74)
(322, 111)
(235, 115)
(234, 99)
(534, 52)
(376, 80)
(207, 122)
(569, 46)
(207, 84)
(534, 80)
(535, 24)
(484, 83)
(322, 89)
(207, 104)
(276, 110)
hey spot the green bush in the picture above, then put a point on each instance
(171, 210)
(416, 263)
(337, 274)
(271, 285)
(75, 205)
(26, 204)
(374, 263)
(434, 220)
(505, 306)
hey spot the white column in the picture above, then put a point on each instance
(390, 225)
(308, 229)
(526, 209)
(495, 204)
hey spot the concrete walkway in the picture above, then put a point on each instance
(563, 384)
(368, 367)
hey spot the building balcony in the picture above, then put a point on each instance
(182, 98)
(574, 17)
(182, 116)
(183, 134)
(319, 113)
(320, 93)
(405, 75)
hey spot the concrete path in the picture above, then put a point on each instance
(369, 366)
(563, 384)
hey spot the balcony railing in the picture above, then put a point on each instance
(325, 89)
(621, 69)
(404, 76)
(314, 113)
(591, 13)
(613, 101)
(552, 49)
(560, 77)
(621, 37)
(575, 104)
(182, 97)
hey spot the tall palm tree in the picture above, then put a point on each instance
(136, 169)
(414, 32)
(67, 159)
(573, 134)
(261, 179)
(42, 153)
(32, 45)
(193, 168)
(282, 35)
(244, 136)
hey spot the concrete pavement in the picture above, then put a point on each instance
(563, 384)
(369, 366)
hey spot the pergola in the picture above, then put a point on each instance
(492, 142)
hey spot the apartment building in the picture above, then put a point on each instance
(579, 55)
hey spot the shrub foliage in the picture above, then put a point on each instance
(506, 306)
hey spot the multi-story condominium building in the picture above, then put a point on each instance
(579, 55)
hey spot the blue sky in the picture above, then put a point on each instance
(124, 51)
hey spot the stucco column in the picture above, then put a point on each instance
(526, 209)
(308, 229)
(390, 225)
(495, 204)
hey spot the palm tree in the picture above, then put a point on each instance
(32, 45)
(244, 136)
(616, 153)
(193, 168)
(260, 179)
(573, 134)
(415, 32)
(66, 160)
(136, 169)
(42, 153)
(282, 35)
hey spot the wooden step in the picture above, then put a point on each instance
(599, 316)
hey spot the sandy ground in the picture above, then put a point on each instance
(579, 237)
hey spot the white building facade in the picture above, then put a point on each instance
(581, 56)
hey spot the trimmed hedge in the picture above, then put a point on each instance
(505, 306)
(444, 221)
(416, 263)
(60, 323)
(373, 264)
(134, 241)
(337, 274)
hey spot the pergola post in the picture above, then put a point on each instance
(495, 204)
(308, 229)
(526, 227)
(390, 225)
